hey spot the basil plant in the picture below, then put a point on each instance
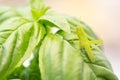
(63, 47)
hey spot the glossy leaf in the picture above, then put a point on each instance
(74, 22)
(56, 19)
(28, 73)
(37, 4)
(7, 13)
(38, 8)
(18, 38)
(60, 60)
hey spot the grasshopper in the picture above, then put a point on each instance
(84, 42)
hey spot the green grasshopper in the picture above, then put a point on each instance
(84, 42)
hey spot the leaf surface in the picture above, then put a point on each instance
(56, 19)
(60, 60)
(7, 13)
(18, 38)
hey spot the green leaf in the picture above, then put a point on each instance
(27, 73)
(26, 31)
(74, 22)
(18, 38)
(7, 13)
(24, 12)
(60, 60)
(38, 8)
(32, 72)
(56, 19)
(37, 4)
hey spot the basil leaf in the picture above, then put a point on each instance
(37, 4)
(7, 13)
(60, 60)
(38, 8)
(18, 38)
(27, 73)
(56, 19)
(68, 36)
(47, 58)
(24, 12)
(63, 55)
(74, 22)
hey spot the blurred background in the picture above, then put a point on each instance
(102, 15)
